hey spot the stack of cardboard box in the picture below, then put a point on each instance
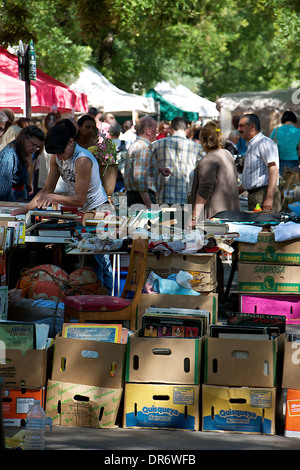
(269, 279)
(87, 383)
(240, 379)
(291, 384)
(164, 374)
(269, 283)
(162, 382)
(24, 372)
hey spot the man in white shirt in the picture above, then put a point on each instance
(261, 166)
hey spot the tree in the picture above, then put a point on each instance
(217, 46)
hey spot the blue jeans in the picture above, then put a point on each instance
(288, 165)
(103, 270)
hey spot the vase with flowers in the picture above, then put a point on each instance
(105, 153)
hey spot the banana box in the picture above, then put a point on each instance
(161, 406)
(238, 409)
(69, 404)
(268, 278)
(292, 415)
(16, 402)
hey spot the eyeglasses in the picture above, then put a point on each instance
(34, 146)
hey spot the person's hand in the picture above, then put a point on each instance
(268, 204)
(165, 171)
(19, 211)
(44, 200)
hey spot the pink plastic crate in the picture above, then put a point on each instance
(287, 305)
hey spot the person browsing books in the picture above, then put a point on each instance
(79, 170)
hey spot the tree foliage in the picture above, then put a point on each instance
(216, 47)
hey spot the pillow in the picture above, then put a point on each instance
(43, 282)
(84, 281)
(94, 303)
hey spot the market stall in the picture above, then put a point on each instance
(108, 98)
(47, 94)
(182, 346)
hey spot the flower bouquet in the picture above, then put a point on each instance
(105, 153)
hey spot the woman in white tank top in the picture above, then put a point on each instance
(96, 194)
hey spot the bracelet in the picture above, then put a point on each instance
(194, 217)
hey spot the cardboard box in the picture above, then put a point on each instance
(163, 360)
(95, 363)
(161, 406)
(268, 278)
(267, 250)
(16, 402)
(291, 365)
(24, 370)
(69, 404)
(274, 304)
(292, 414)
(207, 302)
(243, 362)
(202, 266)
(243, 410)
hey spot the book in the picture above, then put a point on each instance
(187, 313)
(22, 232)
(257, 319)
(241, 332)
(3, 302)
(17, 335)
(56, 233)
(16, 229)
(111, 333)
(158, 322)
(2, 238)
(51, 214)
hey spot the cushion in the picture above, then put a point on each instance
(95, 303)
(84, 281)
(43, 282)
(83, 275)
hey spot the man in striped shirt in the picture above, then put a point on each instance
(261, 166)
(141, 177)
(180, 154)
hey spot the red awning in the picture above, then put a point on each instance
(47, 94)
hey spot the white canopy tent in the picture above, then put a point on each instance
(268, 105)
(185, 99)
(108, 98)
